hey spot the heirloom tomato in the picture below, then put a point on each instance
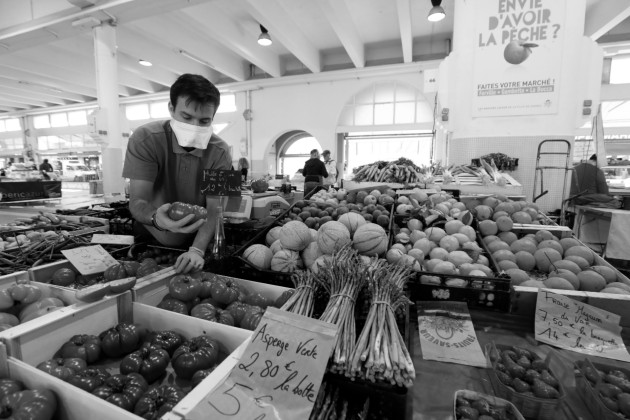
(179, 210)
(252, 318)
(238, 310)
(36, 404)
(150, 362)
(168, 340)
(89, 379)
(62, 368)
(158, 401)
(200, 375)
(210, 313)
(120, 340)
(83, 346)
(198, 353)
(122, 390)
(225, 291)
(173, 305)
(184, 287)
(9, 386)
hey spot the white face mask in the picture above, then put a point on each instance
(189, 135)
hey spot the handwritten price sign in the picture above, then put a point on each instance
(221, 182)
(279, 374)
(89, 259)
(568, 324)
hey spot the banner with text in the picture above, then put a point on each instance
(572, 325)
(517, 57)
(279, 374)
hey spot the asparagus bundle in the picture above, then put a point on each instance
(343, 277)
(302, 301)
(381, 353)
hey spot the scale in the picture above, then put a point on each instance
(254, 206)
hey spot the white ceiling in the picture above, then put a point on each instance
(47, 60)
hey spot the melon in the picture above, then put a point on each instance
(295, 236)
(438, 253)
(508, 237)
(489, 238)
(417, 254)
(607, 273)
(310, 254)
(402, 238)
(569, 242)
(505, 265)
(567, 275)
(466, 268)
(414, 224)
(582, 251)
(333, 235)
(488, 227)
(429, 265)
(445, 267)
(258, 255)
(517, 276)
(547, 243)
(591, 281)
(525, 260)
(352, 221)
(532, 283)
(461, 238)
(453, 226)
(416, 235)
(558, 283)
(286, 261)
(468, 231)
(459, 257)
(276, 246)
(615, 291)
(393, 255)
(504, 254)
(498, 245)
(370, 239)
(423, 245)
(567, 265)
(545, 257)
(523, 245)
(435, 234)
(619, 285)
(581, 262)
(543, 235)
(449, 243)
(483, 260)
(273, 235)
(401, 247)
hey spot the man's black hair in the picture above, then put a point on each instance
(197, 88)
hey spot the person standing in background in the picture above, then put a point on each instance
(588, 183)
(45, 166)
(314, 172)
(331, 167)
(243, 166)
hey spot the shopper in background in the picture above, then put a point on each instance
(243, 166)
(588, 186)
(45, 166)
(165, 161)
(331, 167)
(314, 172)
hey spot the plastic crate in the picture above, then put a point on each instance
(511, 410)
(590, 394)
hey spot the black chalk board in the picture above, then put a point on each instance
(221, 182)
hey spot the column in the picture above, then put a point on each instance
(107, 90)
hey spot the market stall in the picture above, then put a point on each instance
(29, 190)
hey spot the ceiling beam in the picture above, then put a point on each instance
(340, 18)
(46, 81)
(219, 26)
(283, 29)
(15, 90)
(8, 109)
(13, 104)
(192, 40)
(602, 16)
(154, 73)
(39, 90)
(403, 7)
(26, 101)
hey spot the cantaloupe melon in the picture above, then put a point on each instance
(517, 276)
(545, 257)
(352, 221)
(525, 260)
(333, 235)
(581, 251)
(258, 255)
(370, 239)
(295, 236)
(286, 261)
(558, 283)
(273, 235)
(590, 281)
(606, 272)
(276, 246)
(310, 254)
(567, 275)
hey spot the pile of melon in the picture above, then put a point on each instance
(295, 246)
(542, 260)
(501, 210)
(451, 250)
(325, 206)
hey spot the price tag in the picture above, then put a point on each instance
(572, 325)
(221, 182)
(89, 259)
(279, 374)
(98, 238)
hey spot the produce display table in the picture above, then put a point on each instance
(437, 382)
(604, 229)
(29, 190)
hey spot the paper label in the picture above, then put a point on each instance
(572, 325)
(98, 238)
(279, 374)
(447, 334)
(89, 259)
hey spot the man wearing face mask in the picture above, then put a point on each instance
(165, 161)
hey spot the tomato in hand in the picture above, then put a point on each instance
(36, 404)
(179, 210)
(158, 401)
(150, 362)
(120, 340)
(89, 379)
(83, 346)
(122, 390)
(198, 353)
(62, 368)
(168, 340)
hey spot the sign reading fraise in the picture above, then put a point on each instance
(278, 375)
(518, 57)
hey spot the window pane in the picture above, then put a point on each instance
(384, 113)
(347, 115)
(41, 121)
(424, 112)
(2, 127)
(620, 69)
(77, 118)
(363, 115)
(137, 112)
(384, 92)
(228, 103)
(403, 94)
(303, 147)
(405, 113)
(159, 110)
(365, 97)
(13, 124)
(42, 143)
(59, 120)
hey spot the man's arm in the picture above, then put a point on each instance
(324, 171)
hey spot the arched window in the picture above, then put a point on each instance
(295, 149)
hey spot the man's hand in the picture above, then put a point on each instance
(178, 226)
(189, 261)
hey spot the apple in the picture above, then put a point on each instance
(517, 51)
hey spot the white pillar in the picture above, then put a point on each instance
(105, 55)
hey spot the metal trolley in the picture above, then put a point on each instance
(540, 169)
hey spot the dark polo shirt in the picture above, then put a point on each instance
(153, 154)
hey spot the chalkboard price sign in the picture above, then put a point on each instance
(221, 182)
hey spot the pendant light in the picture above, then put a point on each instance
(264, 39)
(436, 13)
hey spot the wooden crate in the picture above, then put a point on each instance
(29, 347)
